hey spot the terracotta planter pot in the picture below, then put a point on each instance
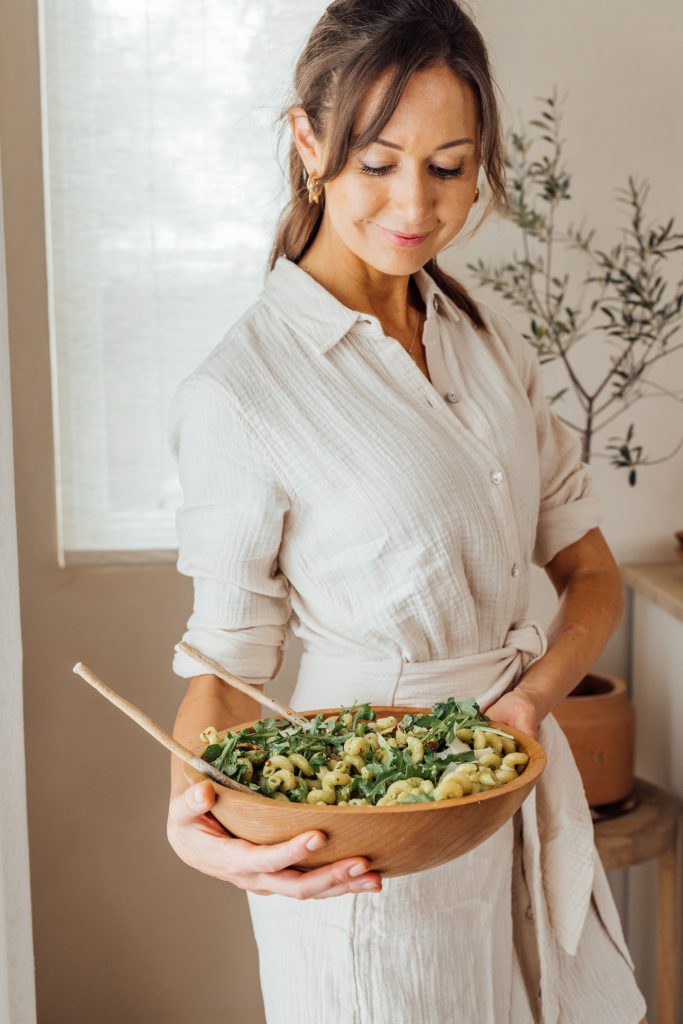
(598, 719)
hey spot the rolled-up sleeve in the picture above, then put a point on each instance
(229, 529)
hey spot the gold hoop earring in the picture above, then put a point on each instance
(314, 188)
(476, 197)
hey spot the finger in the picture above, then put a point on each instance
(358, 885)
(366, 882)
(304, 887)
(191, 803)
(223, 859)
(249, 857)
(313, 884)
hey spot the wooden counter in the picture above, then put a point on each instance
(660, 582)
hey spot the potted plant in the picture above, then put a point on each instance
(623, 299)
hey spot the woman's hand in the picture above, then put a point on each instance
(518, 709)
(202, 843)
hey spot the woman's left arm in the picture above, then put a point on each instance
(588, 583)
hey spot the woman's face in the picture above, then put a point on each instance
(423, 184)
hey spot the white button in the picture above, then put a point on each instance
(496, 476)
(515, 569)
(436, 303)
(452, 397)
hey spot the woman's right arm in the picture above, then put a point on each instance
(201, 841)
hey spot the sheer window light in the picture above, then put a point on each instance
(162, 189)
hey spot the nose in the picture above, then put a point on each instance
(415, 201)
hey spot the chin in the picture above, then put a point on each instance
(402, 262)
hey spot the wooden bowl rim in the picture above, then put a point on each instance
(536, 765)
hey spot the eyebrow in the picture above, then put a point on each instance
(444, 145)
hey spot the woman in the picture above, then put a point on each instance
(368, 460)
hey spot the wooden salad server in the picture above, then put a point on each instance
(155, 730)
(251, 691)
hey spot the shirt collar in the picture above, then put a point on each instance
(313, 312)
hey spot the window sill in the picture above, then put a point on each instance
(98, 559)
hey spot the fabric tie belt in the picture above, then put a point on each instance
(559, 857)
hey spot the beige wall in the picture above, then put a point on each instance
(119, 921)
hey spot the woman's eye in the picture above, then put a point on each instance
(438, 172)
(448, 172)
(365, 169)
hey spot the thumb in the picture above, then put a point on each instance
(192, 803)
(531, 728)
(526, 721)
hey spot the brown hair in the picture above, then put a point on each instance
(353, 43)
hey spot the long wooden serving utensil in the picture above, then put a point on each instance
(155, 730)
(251, 691)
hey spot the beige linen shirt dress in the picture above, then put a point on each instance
(332, 492)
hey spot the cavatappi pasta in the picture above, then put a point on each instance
(354, 758)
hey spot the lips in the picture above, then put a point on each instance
(404, 241)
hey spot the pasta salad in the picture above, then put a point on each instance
(354, 758)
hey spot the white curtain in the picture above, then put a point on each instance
(17, 993)
(162, 188)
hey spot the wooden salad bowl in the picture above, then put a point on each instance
(398, 839)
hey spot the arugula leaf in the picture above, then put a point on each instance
(212, 752)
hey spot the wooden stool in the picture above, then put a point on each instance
(650, 830)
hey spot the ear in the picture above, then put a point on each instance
(304, 138)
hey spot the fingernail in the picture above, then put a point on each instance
(315, 842)
(198, 795)
(370, 885)
(358, 869)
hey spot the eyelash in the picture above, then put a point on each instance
(439, 172)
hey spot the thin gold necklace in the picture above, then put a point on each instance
(417, 324)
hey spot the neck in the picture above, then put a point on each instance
(360, 286)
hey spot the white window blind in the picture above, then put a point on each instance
(162, 188)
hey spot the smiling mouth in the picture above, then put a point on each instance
(398, 238)
(403, 234)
